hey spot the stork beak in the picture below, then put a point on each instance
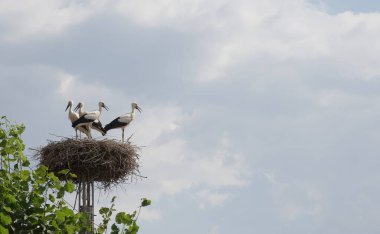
(76, 108)
(105, 107)
(139, 109)
(67, 107)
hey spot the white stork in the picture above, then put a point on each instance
(123, 121)
(97, 125)
(73, 117)
(90, 117)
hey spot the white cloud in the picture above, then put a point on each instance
(22, 21)
(171, 13)
(214, 230)
(229, 32)
(72, 87)
(150, 214)
(295, 199)
(207, 198)
(172, 166)
(160, 120)
(234, 32)
(335, 97)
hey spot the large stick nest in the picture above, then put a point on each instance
(108, 162)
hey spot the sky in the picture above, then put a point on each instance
(258, 116)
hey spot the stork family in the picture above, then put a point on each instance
(83, 121)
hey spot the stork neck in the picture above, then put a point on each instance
(70, 109)
(72, 114)
(81, 111)
(133, 113)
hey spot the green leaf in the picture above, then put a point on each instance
(114, 229)
(25, 174)
(7, 209)
(10, 198)
(25, 163)
(61, 192)
(37, 201)
(134, 228)
(3, 230)
(118, 217)
(70, 186)
(104, 210)
(54, 224)
(145, 202)
(51, 198)
(133, 213)
(20, 129)
(123, 218)
(56, 183)
(67, 212)
(41, 170)
(64, 172)
(69, 229)
(5, 219)
(60, 216)
(100, 230)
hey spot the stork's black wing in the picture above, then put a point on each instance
(115, 124)
(81, 120)
(97, 125)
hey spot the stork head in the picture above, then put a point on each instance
(135, 106)
(80, 105)
(101, 104)
(69, 104)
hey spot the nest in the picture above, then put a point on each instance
(107, 162)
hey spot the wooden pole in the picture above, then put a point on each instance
(79, 195)
(86, 200)
(93, 205)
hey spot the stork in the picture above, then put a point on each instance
(97, 125)
(73, 117)
(90, 117)
(124, 120)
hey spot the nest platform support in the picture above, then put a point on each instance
(86, 202)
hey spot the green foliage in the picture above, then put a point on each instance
(145, 202)
(32, 200)
(125, 223)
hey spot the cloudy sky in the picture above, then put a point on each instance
(259, 116)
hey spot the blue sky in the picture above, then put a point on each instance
(259, 116)
(338, 6)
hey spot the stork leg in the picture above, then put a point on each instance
(76, 134)
(122, 135)
(89, 131)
